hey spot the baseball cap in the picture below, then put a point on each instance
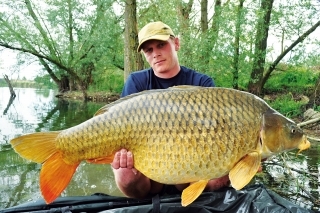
(154, 30)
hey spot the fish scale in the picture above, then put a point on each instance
(178, 135)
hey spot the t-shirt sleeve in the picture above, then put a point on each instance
(130, 87)
(207, 82)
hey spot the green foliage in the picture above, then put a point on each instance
(67, 37)
(111, 81)
(86, 37)
(286, 105)
(45, 81)
(294, 79)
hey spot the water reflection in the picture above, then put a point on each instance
(36, 110)
(294, 177)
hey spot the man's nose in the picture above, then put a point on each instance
(156, 53)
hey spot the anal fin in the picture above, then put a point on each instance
(242, 173)
(102, 160)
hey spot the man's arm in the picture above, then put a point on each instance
(208, 82)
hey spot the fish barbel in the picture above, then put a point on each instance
(183, 134)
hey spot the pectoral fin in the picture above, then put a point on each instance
(242, 173)
(192, 192)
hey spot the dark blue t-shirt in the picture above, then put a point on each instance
(147, 80)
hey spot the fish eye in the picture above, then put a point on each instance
(293, 129)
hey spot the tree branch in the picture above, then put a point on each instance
(41, 30)
(35, 54)
(309, 122)
(280, 57)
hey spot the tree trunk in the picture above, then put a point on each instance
(216, 21)
(132, 60)
(255, 82)
(183, 10)
(64, 85)
(205, 37)
(235, 83)
(204, 15)
(13, 94)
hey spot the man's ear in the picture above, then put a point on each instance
(176, 44)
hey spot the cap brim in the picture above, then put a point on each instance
(155, 37)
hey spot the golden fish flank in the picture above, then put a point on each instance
(179, 135)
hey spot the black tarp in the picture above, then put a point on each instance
(254, 198)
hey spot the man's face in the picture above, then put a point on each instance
(162, 55)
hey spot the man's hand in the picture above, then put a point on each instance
(218, 183)
(123, 159)
(129, 180)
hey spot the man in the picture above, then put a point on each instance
(159, 46)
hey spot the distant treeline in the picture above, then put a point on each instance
(22, 84)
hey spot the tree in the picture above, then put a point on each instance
(232, 41)
(65, 37)
(13, 94)
(260, 47)
(286, 51)
(183, 10)
(132, 60)
(235, 84)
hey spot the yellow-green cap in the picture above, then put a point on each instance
(154, 30)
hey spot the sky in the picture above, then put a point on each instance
(8, 66)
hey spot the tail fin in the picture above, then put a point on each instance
(37, 147)
(55, 173)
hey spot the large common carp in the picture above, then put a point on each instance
(183, 134)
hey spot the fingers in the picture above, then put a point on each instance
(116, 161)
(129, 160)
(123, 159)
(218, 183)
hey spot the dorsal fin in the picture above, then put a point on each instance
(105, 108)
(184, 87)
(180, 87)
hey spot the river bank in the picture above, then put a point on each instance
(105, 97)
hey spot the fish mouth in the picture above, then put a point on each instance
(304, 145)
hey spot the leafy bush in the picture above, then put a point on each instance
(109, 81)
(286, 105)
(297, 80)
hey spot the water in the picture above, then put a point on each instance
(35, 110)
